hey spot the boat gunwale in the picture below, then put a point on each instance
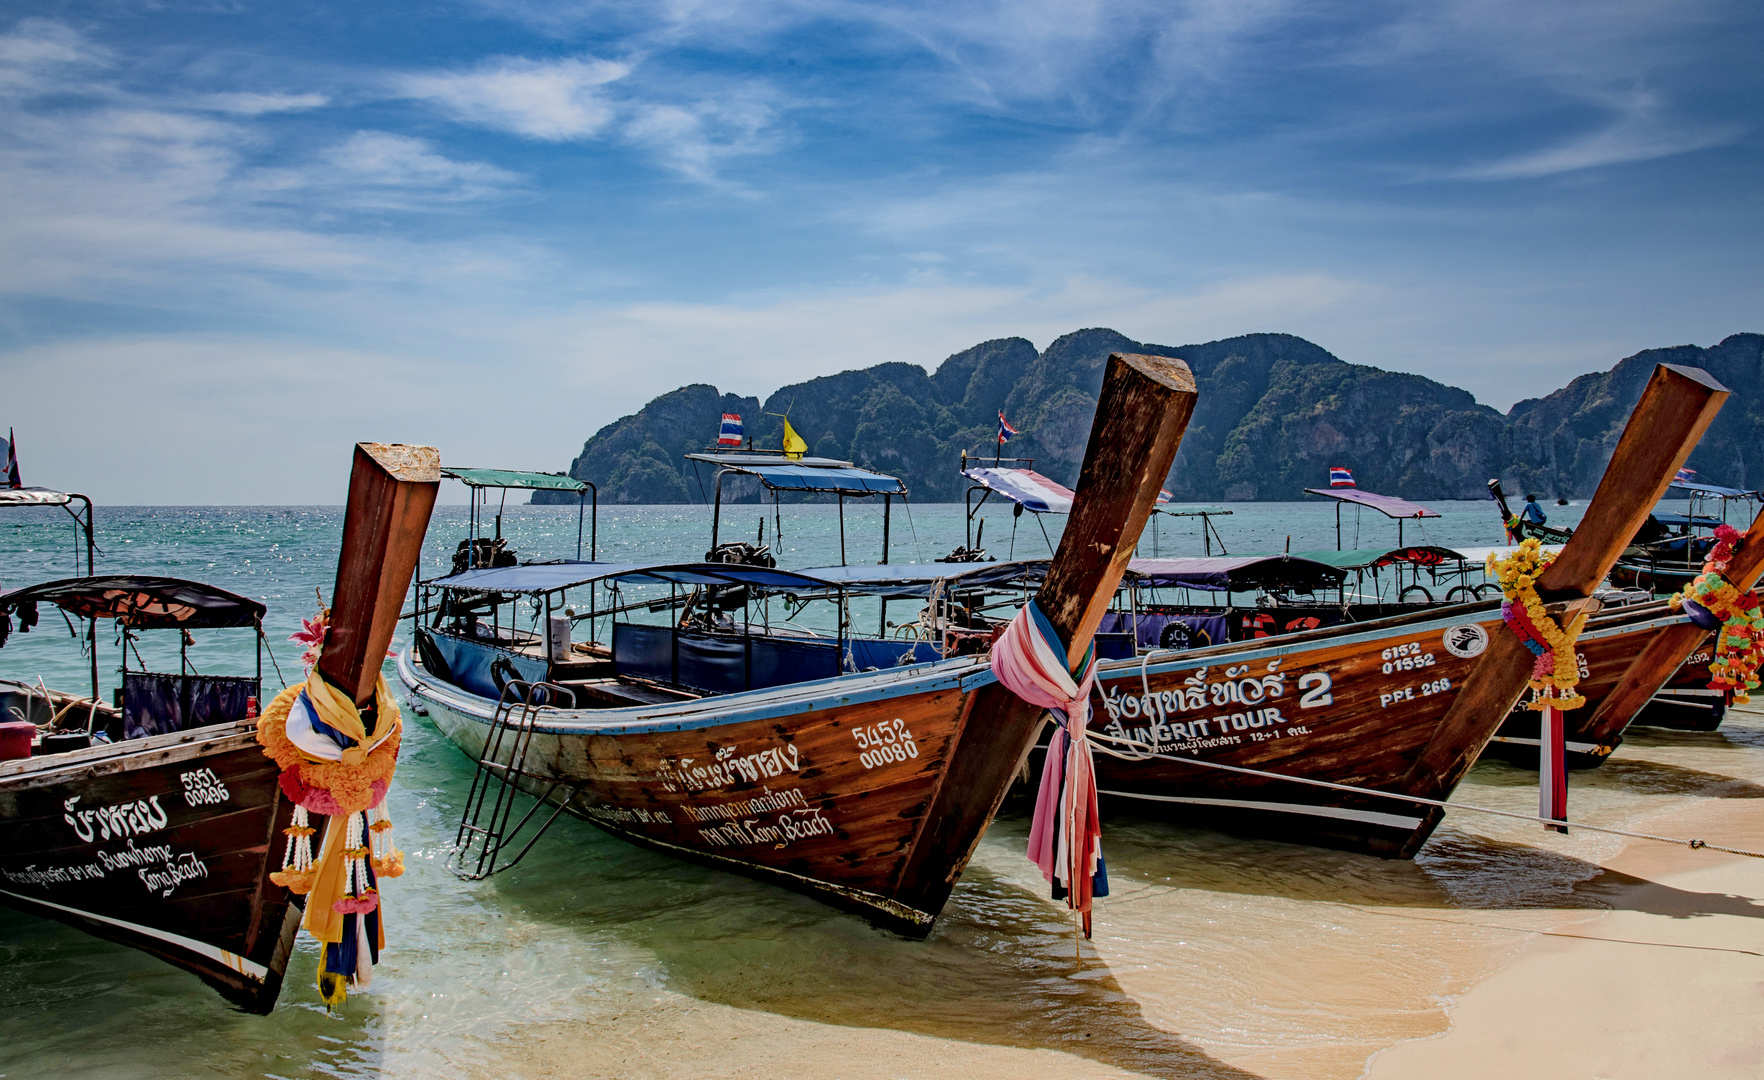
(965, 674)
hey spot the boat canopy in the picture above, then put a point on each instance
(1025, 487)
(35, 496)
(1372, 558)
(1388, 505)
(511, 478)
(1237, 573)
(1036, 493)
(779, 473)
(906, 580)
(1684, 521)
(1707, 491)
(892, 581)
(146, 603)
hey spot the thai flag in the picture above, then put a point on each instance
(730, 435)
(1340, 477)
(1005, 430)
(1685, 476)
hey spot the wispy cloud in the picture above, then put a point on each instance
(248, 104)
(382, 161)
(1640, 132)
(556, 101)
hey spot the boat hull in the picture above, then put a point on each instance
(163, 844)
(1686, 703)
(1606, 649)
(1346, 706)
(823, 787)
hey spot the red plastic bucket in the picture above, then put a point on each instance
(15, 739)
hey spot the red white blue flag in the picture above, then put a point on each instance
(730, 435)
(1005, 430)
(1340, 477)
(1685, 476)
(12, 479)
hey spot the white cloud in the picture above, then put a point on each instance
(380, 159)
(247, 104)
(554, 101)
(39, 50)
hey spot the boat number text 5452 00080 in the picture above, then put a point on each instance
(884, 743)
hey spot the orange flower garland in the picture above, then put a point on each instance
(1739, 643)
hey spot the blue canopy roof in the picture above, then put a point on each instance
(914, 579)
(848, 481)
(781, 473)
(911, 579)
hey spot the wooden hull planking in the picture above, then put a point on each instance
(163, 844)
(1607, 648)
(825, 789)
(1344, 706)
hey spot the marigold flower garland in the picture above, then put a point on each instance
(1556, 671)
(1739, 643)
(332, 766)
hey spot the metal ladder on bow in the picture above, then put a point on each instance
(484, 832)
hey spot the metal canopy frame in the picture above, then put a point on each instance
(751, 462)
(481, 486)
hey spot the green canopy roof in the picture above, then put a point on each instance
(1368, 558)
(509, 478)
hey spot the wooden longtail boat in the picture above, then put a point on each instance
(868, 791)
(1678, 659)
(1637, 659)
(1401, 705)
(161, 842)
(165, 839)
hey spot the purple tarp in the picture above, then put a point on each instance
(1388, 505)
(1220, 572)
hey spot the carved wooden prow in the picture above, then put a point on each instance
(392, 490)
(1141, 414)
(1668, 649)
(1675, 409)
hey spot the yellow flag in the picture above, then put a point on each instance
(794, 447)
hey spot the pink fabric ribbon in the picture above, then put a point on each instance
(1065, 835)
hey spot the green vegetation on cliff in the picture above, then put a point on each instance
(1275, 412)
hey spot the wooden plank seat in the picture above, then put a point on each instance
(591, 693)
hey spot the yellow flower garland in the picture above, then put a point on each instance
(1557, 671)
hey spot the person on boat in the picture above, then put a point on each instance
(1533, 513)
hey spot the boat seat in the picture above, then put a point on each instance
(615, 692)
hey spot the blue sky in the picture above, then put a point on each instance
(240, 236)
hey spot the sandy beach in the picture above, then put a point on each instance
(1503, 950)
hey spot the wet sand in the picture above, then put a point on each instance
(1502, 950)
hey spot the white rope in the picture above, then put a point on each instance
(1146, 752)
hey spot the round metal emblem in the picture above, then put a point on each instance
(1466, 640)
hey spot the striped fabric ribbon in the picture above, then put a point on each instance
(1065, 836)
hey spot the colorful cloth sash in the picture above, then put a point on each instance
(1065, 835)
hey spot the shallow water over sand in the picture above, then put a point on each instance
(1215, 956)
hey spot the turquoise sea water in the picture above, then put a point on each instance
(589, 926)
